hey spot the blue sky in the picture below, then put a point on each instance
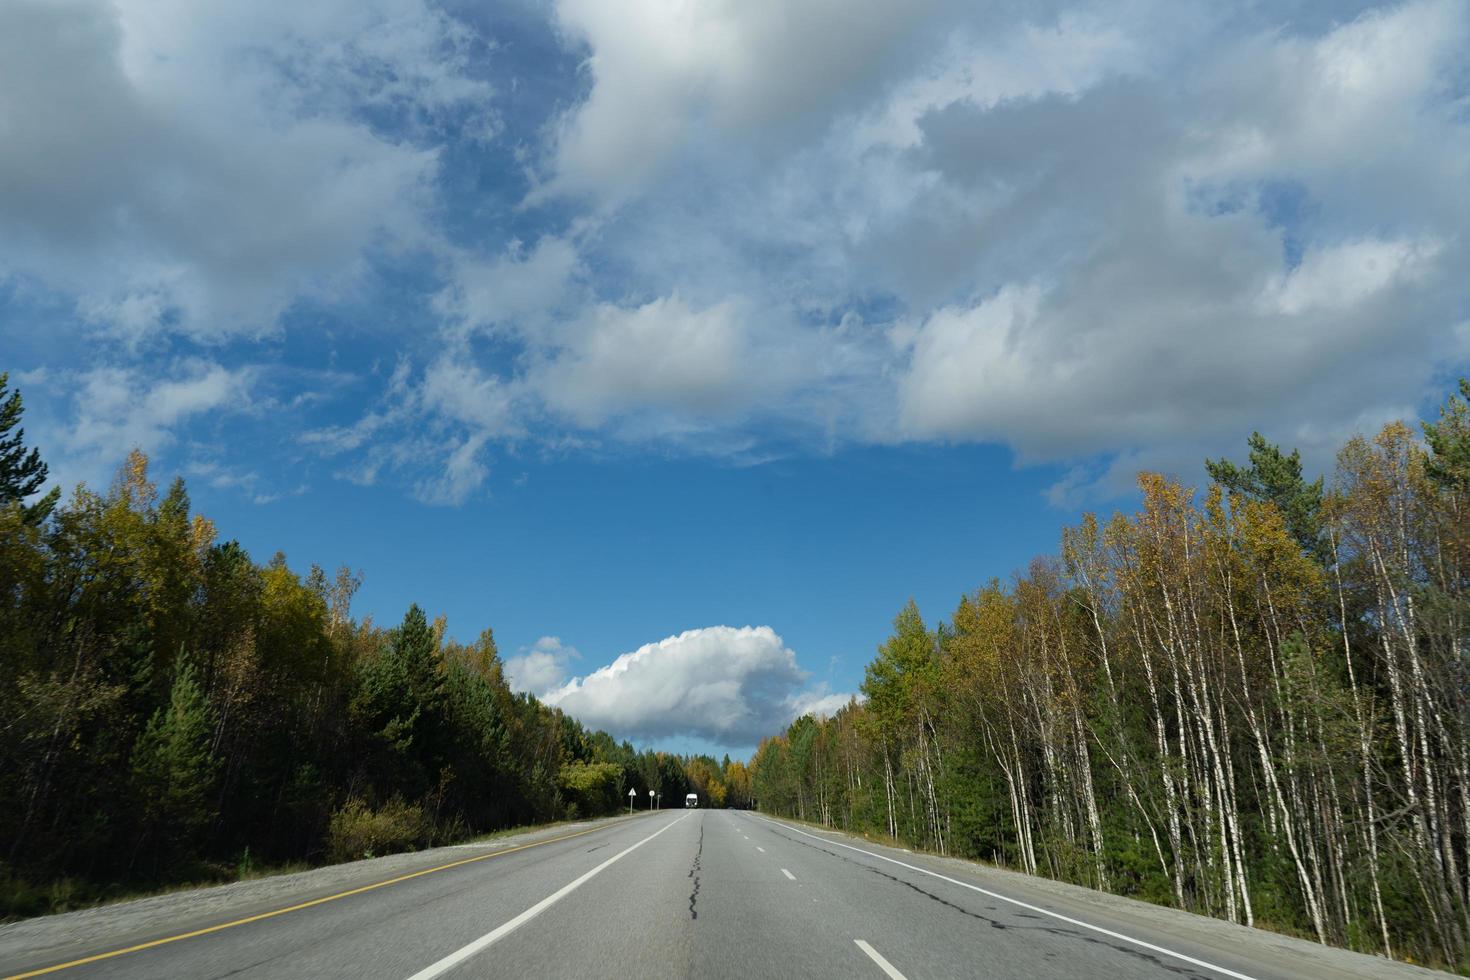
(607, 555)
(622, 327)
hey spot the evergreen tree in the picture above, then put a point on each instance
(22, 472)
(174, 768)
(400, 703)
(1189, 709)
(1276, 478)
(1449, 442)
(292, 730)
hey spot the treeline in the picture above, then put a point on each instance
(170, 710)
(1251, 703)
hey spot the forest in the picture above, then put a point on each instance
(1250, 701)
(172, 711)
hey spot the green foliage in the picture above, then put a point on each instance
(174, 710)
(1449, 442)
(19, 897)
(1276, 478)
(591, 788)
(399, 703)
(174, 768)
(905, 670)
(1252, 706)
(22, 473)
(359, 831)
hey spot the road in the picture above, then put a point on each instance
(697, 893)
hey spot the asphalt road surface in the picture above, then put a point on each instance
(697, 893)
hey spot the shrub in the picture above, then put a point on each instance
(19, 898)
(590, 788)
(359, 831)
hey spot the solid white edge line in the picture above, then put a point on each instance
(1025, 905)
(788, 874)
(878, 958)
(465, 952)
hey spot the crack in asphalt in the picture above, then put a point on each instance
(694, 873)
(994, 924)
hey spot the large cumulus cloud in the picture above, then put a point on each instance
(541, 668)
(727, 686)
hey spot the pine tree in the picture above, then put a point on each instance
(1449, 442)
(22, 473)
(415, 647)
(174, 769)
(1276, 478)
(401, 703)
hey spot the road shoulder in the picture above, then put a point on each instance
(54, 937)
(1281, 953)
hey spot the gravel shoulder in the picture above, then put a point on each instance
(143, 919)
(1155, 923)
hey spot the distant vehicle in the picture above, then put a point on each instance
(692, 800)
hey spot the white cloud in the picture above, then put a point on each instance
(463, 393)
(970, 364)
(1341, 277)
(1139, 295)
(121, 408)
(541, 668)
(463, 472)
(400, 401)
(194, 170)
(1066, 56)
(1305, 102)
(446, 419)
(661, 355)
(728, 686)
(1102, 234)
(823, 705)
(262, 499)
(222, 476)
(513, 291)
(1123, 234)
(664, 71)
(108, 411)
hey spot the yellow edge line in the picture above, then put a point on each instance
(292, 908)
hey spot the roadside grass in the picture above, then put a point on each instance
(883, 840)
(21, 899)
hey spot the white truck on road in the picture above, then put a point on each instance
(692, 800)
